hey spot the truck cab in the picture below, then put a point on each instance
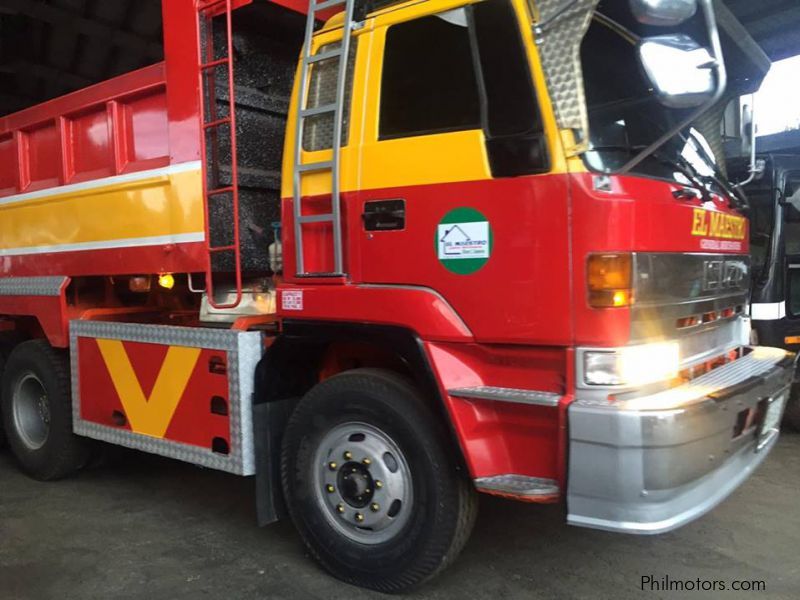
(499, 258)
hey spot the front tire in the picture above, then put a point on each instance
(372, 484)
(37, 412)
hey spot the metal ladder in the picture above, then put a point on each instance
(333, 166)
(210, 124)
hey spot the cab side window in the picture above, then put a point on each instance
(460, 70)
(428, 84)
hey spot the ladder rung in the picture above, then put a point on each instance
(230, 248)
(315, 6)
(218, 191)
(217, 123)
(335, 53)
(318, 110)
(326, 218)
(325, 165)
(214, 63)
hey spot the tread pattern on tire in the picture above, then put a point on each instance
(66, 452)
(439, 552)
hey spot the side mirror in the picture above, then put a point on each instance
(663, 13)
(679, 69)
(747, 130)
(747, 135)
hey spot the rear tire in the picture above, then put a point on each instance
(3, 441)
(372, 484)
(37, 412)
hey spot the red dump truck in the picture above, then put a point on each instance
(383, 255)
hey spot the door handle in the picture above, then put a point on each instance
(384, 215)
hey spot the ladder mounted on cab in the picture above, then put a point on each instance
(212, 128)
(337, 108)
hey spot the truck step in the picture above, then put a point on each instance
(520, 486)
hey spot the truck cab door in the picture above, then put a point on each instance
(462, 185)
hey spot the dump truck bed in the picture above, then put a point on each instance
(108, 180)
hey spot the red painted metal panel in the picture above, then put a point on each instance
(48, 157)
(502, 437)
(49, 311)
(43, 153)
(147, 123)
(640, 215)
(8, 165)
(419, 309)
(191, 423)
(129, 83)
(518, 296)
(90, 144)
(170, 258)
(183, 99)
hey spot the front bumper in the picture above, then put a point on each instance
(640, 470)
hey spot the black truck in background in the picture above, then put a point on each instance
(773, 196)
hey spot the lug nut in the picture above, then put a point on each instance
(332, 466)
(340, 508)
(367, 461)
(348, 455)
(330, 488)
(378, 483)
(359, 517)
(375, 507)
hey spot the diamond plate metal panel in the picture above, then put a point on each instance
(559, 36)
(244, 350)
(318, 129)
(32, 286)
(519, 485)
(499, 394)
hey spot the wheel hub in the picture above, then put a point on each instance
(362, 483)
(356, 484)
(31, 411)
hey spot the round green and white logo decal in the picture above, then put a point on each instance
(463, 241)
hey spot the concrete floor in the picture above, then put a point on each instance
(153, 529)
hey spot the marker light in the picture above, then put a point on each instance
(632, 365)
(166, 281)
(609, 280)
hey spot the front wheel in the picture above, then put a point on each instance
(372, 484)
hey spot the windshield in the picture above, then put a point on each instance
(625, 116)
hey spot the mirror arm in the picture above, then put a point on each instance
(722, 80)
(753, 171)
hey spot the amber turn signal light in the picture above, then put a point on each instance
(609, 280)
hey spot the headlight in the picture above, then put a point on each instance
(632, 365)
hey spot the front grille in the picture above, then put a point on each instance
(711, 316)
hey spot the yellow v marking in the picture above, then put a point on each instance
(150, 416)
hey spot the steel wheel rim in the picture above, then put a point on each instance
(31, 410)
(362, 483)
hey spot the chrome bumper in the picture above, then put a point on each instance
(652, 464)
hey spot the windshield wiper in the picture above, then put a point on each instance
(686, 168)
(679, 164)
(738, 199)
